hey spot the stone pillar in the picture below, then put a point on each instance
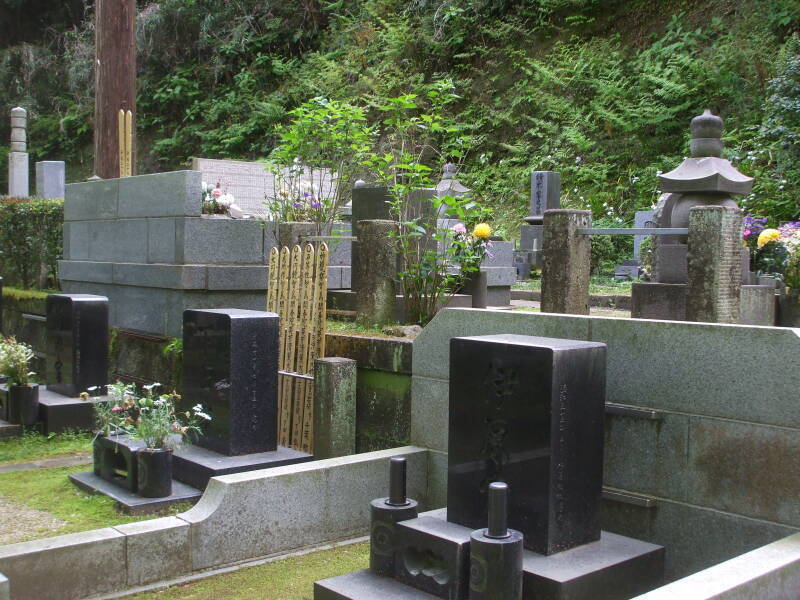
(567, 262)
(714, 264)
(334, 407)
(50, 178)
(290, 233)
(374, 273)
(18, 157)
(369, 203)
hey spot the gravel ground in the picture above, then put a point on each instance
(19, 523)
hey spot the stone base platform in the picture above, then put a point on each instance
(613, 568)
(365, 585)
(130, 503)
(59, 413)
(345, 301)
(195, 465)
(9, 430)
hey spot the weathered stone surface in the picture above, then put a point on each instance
(291, 507)
(67, 566)
(662, 301)
(772, 571)
(566, 262)
(176, 277)
(715, 276)
(5, 588)
(237, 277)
(216, 241)
(545, 194)
(670, 263)
(50, 178)
(86, 270)
(500, 254)
(429, 407)
(641, 219)
(531, 237)
(500, 276)
(18, 175)
(161, 240)
(383, 354)
(375, 272)
(171, 194)
(156, 550)
(383, 407)
(91, 200)
(334, 407)
(123, 240)
(757, 305)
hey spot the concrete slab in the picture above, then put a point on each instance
(134, 504)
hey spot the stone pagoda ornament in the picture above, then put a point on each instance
(704, 179)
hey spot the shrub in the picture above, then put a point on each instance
(31, 241)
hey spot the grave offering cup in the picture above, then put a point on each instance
(385, 513)
(23, 404)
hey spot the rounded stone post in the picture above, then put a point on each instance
(375, 272)
(713, 294)
(496, 553)
(334, 407)
(566, 262)
(385, 513)
(18, 185)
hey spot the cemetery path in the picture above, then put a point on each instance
(597, 311)
(18, 523)
(46, 463)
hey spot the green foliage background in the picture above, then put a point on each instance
(601, 91)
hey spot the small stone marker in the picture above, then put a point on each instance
(713, 293)
(545, 195)
(567, 262)
(528, 411)
(375, 271)
(334, 407)
(77, 343)
(230, 367)
(18, 170)
(50, 179)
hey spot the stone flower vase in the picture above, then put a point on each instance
(475, 285)
(154, 466)
(790, 309)
(23, 404)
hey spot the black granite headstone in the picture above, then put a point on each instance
(230, 366)
(77, 343)
(528, 411)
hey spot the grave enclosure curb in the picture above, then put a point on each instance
(314, 503)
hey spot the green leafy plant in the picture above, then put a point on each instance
(158, 422)
(15, 361)
(31, 240)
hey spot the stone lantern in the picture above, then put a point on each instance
(704, 179)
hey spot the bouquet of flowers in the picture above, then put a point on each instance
(469, 250)
(215, 202)
(159, 421)
(777, 251)
(15, 361)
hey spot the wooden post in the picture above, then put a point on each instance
(115, 82)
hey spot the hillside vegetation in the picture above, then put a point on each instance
(601, 91)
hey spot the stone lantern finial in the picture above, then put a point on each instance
(706, 135)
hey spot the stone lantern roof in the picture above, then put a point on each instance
(449, 185)
(706, 171)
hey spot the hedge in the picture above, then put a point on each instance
(31, 239)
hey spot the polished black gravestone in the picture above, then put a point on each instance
(528, 411)
(77, 343)
(230, 367)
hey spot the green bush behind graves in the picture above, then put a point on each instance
(601, 91)
(31, 239)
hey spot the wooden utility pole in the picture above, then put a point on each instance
(115, 81)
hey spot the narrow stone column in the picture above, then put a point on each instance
(567, 262)
(334, 407)
(18, 186)
(714, 264)
(374, 274)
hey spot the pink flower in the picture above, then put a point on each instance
(459, 229)
(746, 233)
(216, 193)
(117, 409)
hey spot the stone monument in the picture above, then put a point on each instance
(230, 367)
(545, 195)
(703, 179)
(526, 449)
(50, 178)
(18, 185)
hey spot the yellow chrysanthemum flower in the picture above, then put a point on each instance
(767, 236)
(482, 231)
